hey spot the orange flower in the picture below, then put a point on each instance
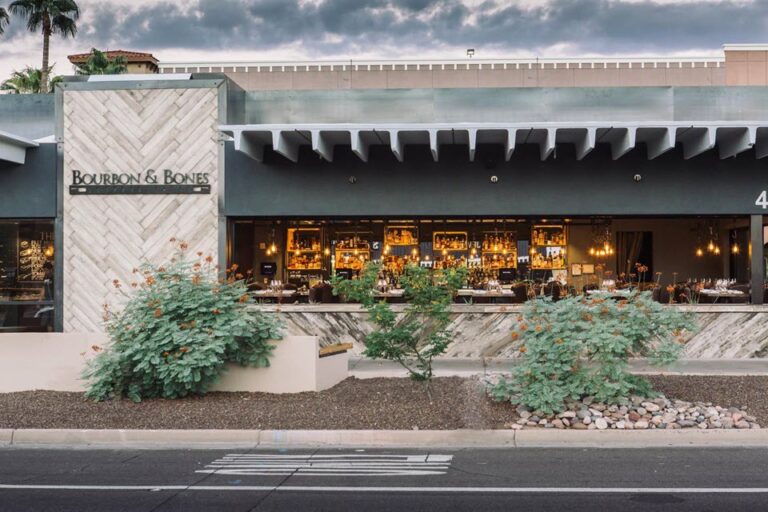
(173, 239)
(515, 336)
(586, 317)
(235, 266)
(538, 328)
(200, 254)
(244, 299)
(559, 341)
(150, 280)
(96, 348)
(165, 354)
(134, 284)
(183, 246)
(216, 312)
(116, 283)
(523, 350)
(196, 279)
(239, 276)
(183, 350)
(523, 327)
(209, 259)
(161, 269)
(158, 313)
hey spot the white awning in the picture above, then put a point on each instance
(729, 138)
(14, 148)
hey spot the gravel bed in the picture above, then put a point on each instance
(383, 403)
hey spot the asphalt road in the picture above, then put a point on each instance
(378, 480)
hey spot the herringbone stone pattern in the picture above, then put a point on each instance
(107, 236)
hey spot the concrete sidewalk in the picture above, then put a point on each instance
(364, 368)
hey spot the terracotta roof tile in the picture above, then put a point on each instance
(129, 55)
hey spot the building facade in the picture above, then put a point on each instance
(298, 174)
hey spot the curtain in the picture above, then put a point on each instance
(628, 246)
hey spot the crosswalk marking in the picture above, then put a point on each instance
(246, 464)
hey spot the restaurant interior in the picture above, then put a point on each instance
(509, 259)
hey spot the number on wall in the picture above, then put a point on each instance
(762, 199)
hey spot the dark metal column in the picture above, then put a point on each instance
(757, 267)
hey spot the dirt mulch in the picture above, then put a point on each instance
(353, 404)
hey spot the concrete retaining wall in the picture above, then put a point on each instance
(55, 361)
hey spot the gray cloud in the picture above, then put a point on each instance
(339, 26)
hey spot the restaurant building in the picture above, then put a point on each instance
(543, 177)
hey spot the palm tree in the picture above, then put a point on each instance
(53, 17)
(28, 81)
(100, 64)
(3, 20)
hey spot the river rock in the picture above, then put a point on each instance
(650, 406)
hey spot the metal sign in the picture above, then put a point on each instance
(148, 182)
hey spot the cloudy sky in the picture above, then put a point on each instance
(189, 30)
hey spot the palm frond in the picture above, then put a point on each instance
(3, 19)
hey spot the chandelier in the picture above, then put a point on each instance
(712, 246)
(602, 240)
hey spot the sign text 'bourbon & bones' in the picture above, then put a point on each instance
(151, 181)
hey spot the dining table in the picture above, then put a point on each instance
(724, 295)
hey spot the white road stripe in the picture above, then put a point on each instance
(326, 465)
(384, 489)
(330, 464)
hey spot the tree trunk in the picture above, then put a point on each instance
(46, 49)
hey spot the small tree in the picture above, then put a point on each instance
(99, 63)
(581, 346)
(422, 333)
(179, 327)
(29, 81)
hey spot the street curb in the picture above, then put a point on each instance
(6, 436)
(533, 438)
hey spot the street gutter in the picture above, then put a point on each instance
(527, 438)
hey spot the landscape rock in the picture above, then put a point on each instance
(638, 413)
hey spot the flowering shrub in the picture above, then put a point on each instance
(422, 333)
(180, 326)
(581, 347)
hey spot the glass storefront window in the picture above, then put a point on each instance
(26, 275)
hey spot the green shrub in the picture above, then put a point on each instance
(579, 347)
(422, 333)
(179, 327)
